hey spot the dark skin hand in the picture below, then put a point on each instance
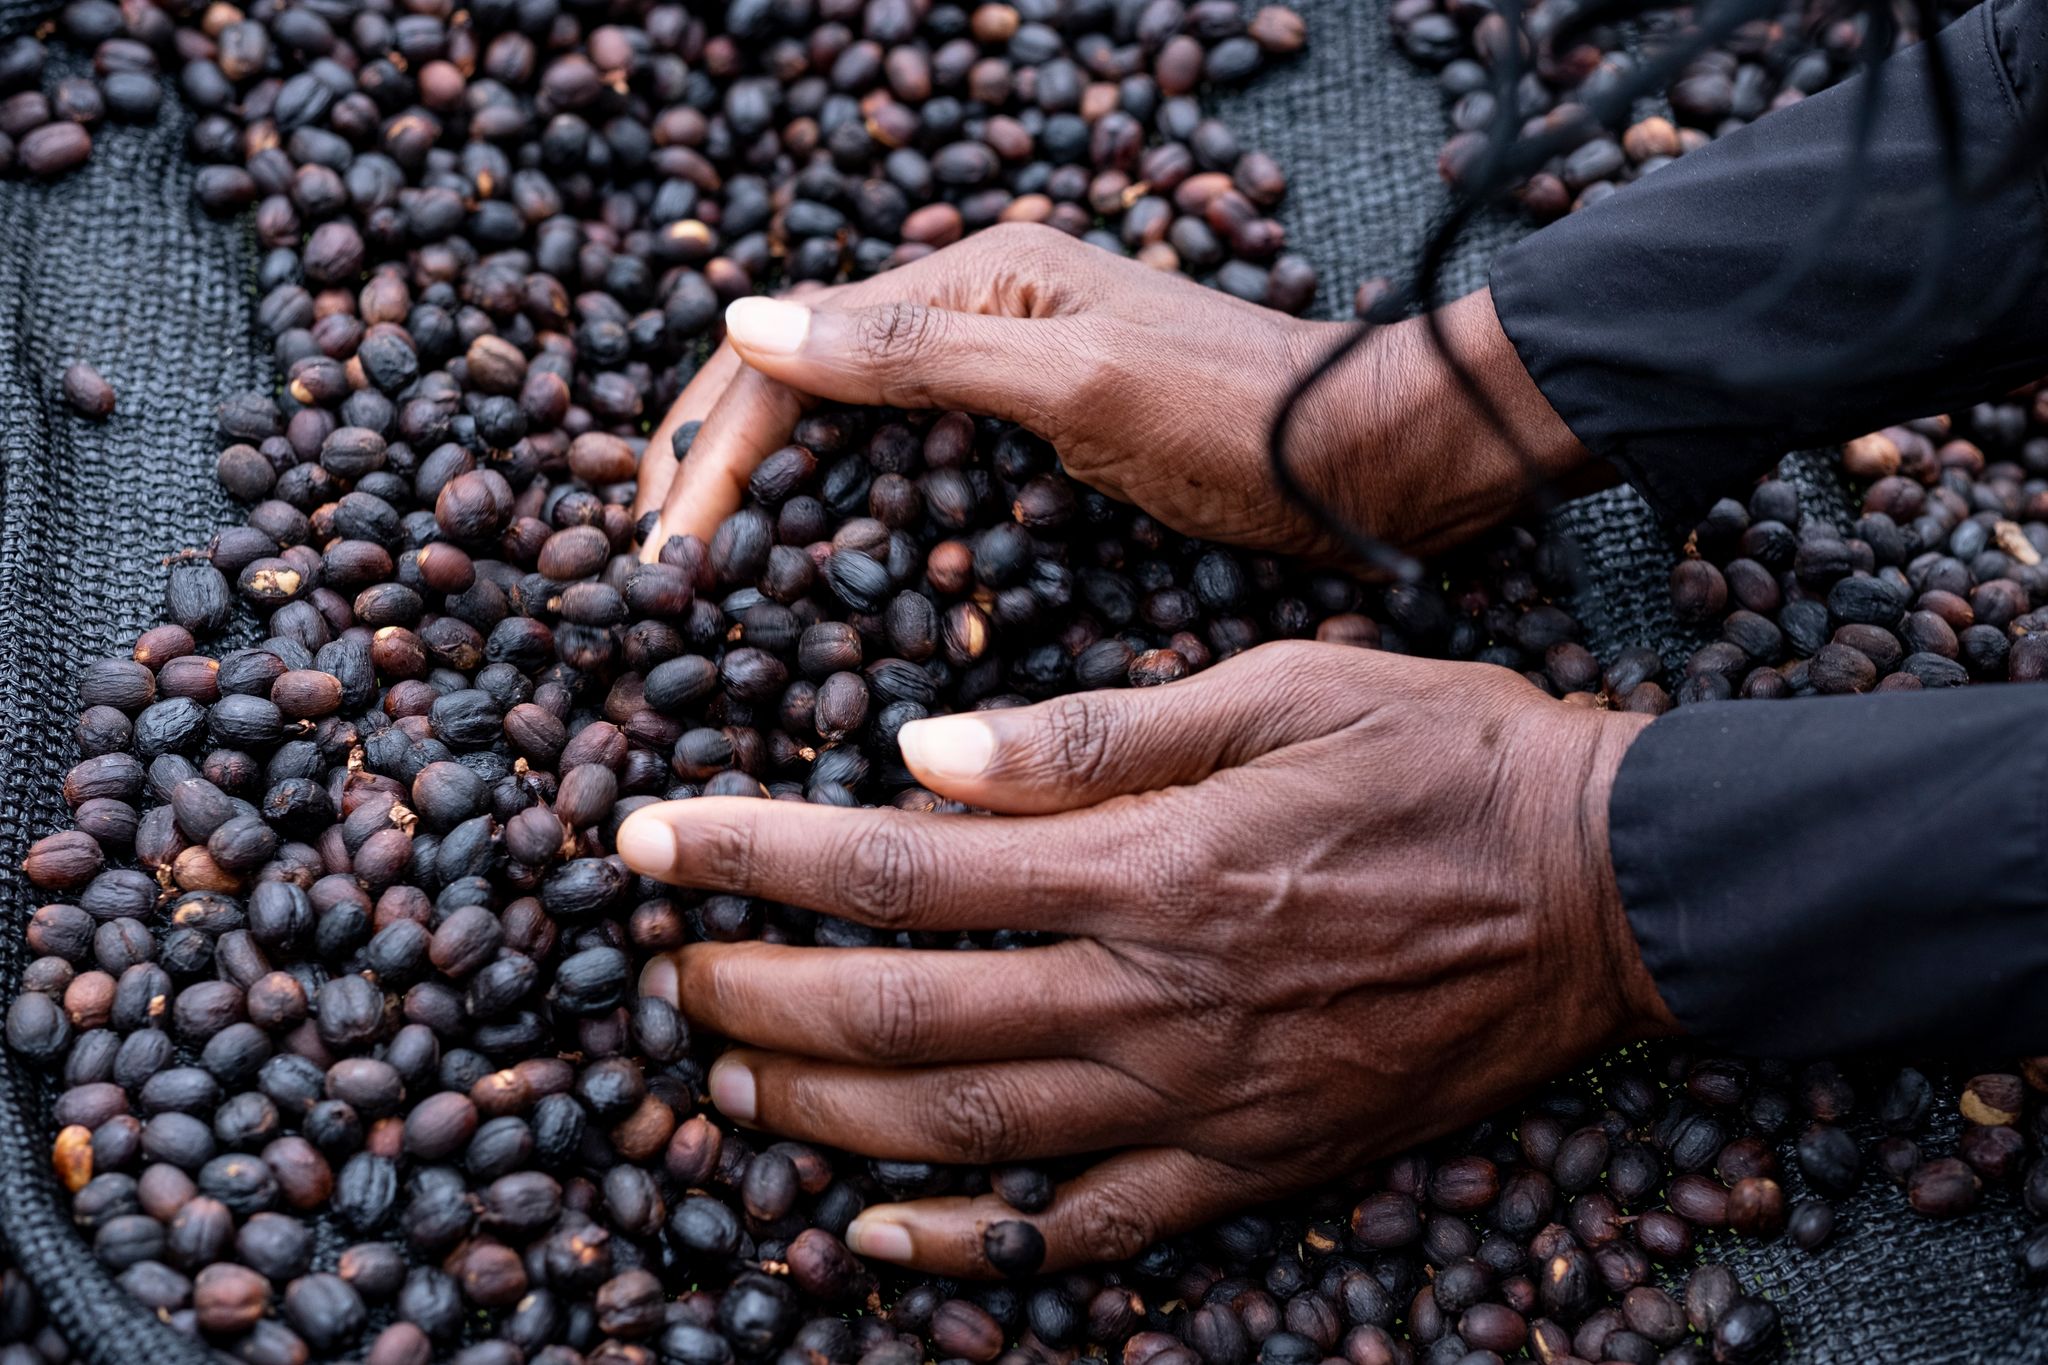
(1151, 387)
(1316, 903)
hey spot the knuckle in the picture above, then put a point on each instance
(729, 854)
(1291, 655)
(1203, 992)
(1032, 247)
(1168, 868)
(973, 1116)
(897, 335)
(1191, 855)
(1077, 744)
(1301, 672)
(896, 1017)
(886, 877)
(1110, 1225)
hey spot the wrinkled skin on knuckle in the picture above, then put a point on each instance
(1076, 743)
(886, 878)
(1171, 857)
(1124, 977)
(895, 339)
(1188, 1042)
(1120, 856)
(1205, 991)
(1328, 680)
(1112, 1226)
(973, 1116)
(1030, 256)
(895, 1018)
(1176, 980)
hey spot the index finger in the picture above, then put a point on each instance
(1110, 1212)
(752, 420)
(902, 871)
(748, 417)
(658, 463)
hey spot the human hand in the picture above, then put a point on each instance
(1323, 903)
(1152, 388)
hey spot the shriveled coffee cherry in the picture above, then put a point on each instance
(1014, 1247)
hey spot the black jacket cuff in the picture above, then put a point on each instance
(1834, 874)
(1657, 323)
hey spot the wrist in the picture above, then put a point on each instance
(1639, 1008)
(1400, 445)
(1588, 940)
(1643, 1009)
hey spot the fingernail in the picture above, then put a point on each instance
(647, 844)
(770, 326)
(958, 747)
(883, 1241)
(658, 979)
(732, 1090)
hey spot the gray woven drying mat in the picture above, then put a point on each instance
(114, 265)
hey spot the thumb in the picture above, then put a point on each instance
(906, 354)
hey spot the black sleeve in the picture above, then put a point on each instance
(1832, 874)
(1632, 315)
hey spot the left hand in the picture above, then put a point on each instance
(1153, 389)
(1322, 903)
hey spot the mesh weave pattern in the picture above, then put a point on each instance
(113, 265)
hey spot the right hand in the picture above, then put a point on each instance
(1316, 904)
(1151, 387)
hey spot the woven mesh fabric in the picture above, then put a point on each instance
(1626, 556)
(1357, 129)
(114, 265)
